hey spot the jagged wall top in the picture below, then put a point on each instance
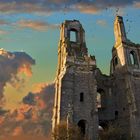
(76, 47)
(72, 25)
(119, 31)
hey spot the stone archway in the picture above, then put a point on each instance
(82, 126)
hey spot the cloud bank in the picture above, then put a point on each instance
(11, 64)
(49, 6)
(32, 119)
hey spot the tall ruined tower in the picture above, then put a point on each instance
(75, 84)
(125, 72)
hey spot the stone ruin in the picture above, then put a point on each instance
(86, 97)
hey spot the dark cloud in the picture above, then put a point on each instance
(12, 63)
(29, 99)
(43, 108)
(48, 6)
(3, 112)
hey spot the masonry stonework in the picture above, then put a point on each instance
(75, 97)
(88, 98)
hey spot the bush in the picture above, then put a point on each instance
(63, 132)
(113, 132)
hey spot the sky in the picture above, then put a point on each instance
(29, 35)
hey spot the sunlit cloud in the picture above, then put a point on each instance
(86, 8)
(102, 23)
(3, 32)
(37, 87)
(17, 131)
(36, 25)
(30, 119)
(137, 4)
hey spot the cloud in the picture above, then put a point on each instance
(49, 6)
(18, 6)
(34, 113)
(18, 130)
(36, 25)
(29, 99)
(11, 64)
(31, 119)
(137, 4)
(2, 111)
(43, 98)
(2, 32)
(4, 22)
(87, 8)
(102, 23)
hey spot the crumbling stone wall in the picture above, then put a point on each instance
(75, 97)
(88, 98)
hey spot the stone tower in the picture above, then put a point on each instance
(75, 84)
(125, 73)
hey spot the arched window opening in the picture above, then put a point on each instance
(81, 97)
(82, 126)
(100, 98)
(133, 58)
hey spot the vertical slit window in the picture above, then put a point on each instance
(116, 114)
(81, 97)
(99, 100)
(116, 61)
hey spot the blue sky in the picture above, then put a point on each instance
(32, 26)
(29, 35)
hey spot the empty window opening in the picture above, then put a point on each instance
(133, 59)
(73, 36)
(116, 61)
(81, 97)
(82, 126)
(100, 100)
(116, 114)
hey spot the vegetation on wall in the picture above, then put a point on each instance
(65, 132)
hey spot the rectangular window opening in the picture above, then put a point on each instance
(73, 36)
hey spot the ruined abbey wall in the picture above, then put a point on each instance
(86, 97)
